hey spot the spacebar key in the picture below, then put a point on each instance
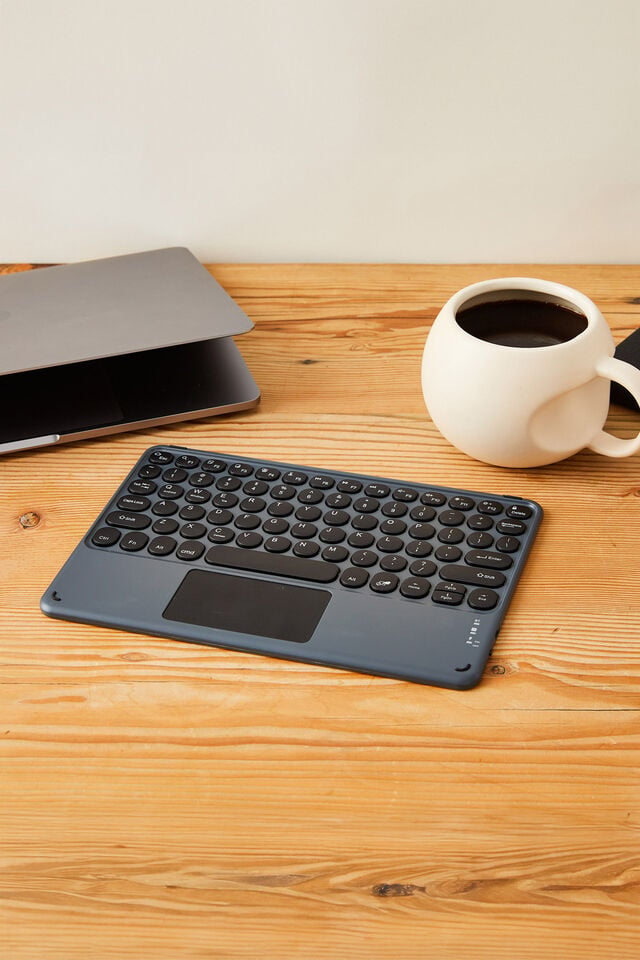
(296, 567)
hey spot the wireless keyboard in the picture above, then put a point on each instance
(364, 573)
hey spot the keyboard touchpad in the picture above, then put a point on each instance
(247, 605)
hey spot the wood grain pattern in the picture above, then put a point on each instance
(164, 800)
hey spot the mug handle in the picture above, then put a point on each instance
(629, 377)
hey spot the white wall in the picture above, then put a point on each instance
(360, 130)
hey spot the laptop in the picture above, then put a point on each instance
(123, 343)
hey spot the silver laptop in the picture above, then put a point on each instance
(119, 344)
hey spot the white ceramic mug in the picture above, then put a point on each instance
(524, 406)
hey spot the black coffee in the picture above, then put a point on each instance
(521, 323)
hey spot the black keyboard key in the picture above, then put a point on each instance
(277, 544)
(433, 499)
(349, 486)
(225, 499)
(255, 488)
(132, 542)
(389, 544)
(192, 550)
(461, 503)
(248, 540)
(450, 587)
(267, 473)
(336, 518)
(296, 477)
(220, 535)
(353, 577)
(418, 548)
(366, 505)
(360, 539)
(128, 521)
(201, 479)
(214, 465)
(422, 513)
(450, 535)
(188, 460)
(395, 508)
(142, 486)
(480, 541)
(282, 508)
(247, 521)
(306, 548)
(492, 507)
(479, 522)
(105, 537)
(161, 456)
(512, 528)
(415, 587)
(284, 491)
(393, 563)
(129, 502)
(392, 527)
(335, 554)
(193, 531)
(405, 494)
(275, 525)
(421, 531)
(448, 554)
(240, 470)
(307, 514)
(162, 546)
(304, 531)
(192, 512)
(338, 500)
(149, 471)
(228, 483)
(309, 495)
(219, 517)
(171, 491)
(482, 558)
(447, 597)
(364, 521)
(332, 535)
(175, 475)
(165, 525)
(384, 582)
(423, 568)
(483, 599)
(198, 495)
(321, 482)
(164, 508)
(451, 518)
(379, 490)
(519, 511)
(364, 558)
(473, 577)
(508, 544)
(298, 568)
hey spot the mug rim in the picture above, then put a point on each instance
(573, 297)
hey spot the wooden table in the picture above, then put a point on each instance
(164, 800)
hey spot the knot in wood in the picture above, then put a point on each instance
(30, 519)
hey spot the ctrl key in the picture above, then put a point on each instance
(483, 599)
(105, 537)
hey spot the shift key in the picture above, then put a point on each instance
(474, 578)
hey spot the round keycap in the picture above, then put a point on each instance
(248, 539)
(197, 495)
(304, 531)
(422, 513)
(201, 479)
(161, 546)
(366, 504)
(433, 499)
(364, 521)
(394, 508)
(191, 512)
(335, 554)
(193, 531)
(255, 488)
(214, 466)
(220, 534)
(332, 535)
(275, 525)
(267, 473)
(283, 491)
(448, 554)
(161, 456)
(421, 531)
(349, 486)
(481, 541)
(240, 470)
(393, 563)
(164, 508)
(306, 548)
(134, 541)
(393, 527)
(450, 535)
(338, 500)
(321, 482)
(149, 471)
(378, 490)
(227, 483)
(171, 491)
(175, 475)
(105, 537)
(277, 544)
(165, 525)
(415, 587)
(511, 527)
(354, 577)
(492, 507)
(451, 518)
(461, 503)
(336, 518)
(383, 582)
(190, 551)
(309, 495)
(519, 511)
(188, 461)
(478, 522)
(508, 544)
(219, 517)
(389, 544)
(406, 494)
(423, 568)
(294, 476)
(308, 514)
(142, 486)
(418, 548)
(361, 539)
(282, 508)
(247, 521)
(447, 598)
(483, 599)
(364, 558)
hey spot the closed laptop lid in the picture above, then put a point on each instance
(102, 308)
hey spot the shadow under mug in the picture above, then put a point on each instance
(516, 372)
